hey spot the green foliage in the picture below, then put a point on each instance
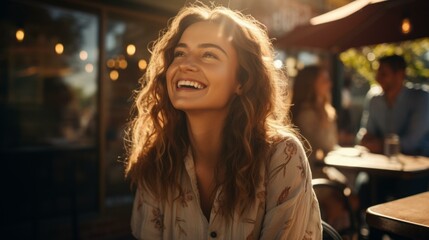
(363, 61)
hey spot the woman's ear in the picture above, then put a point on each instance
(239, 89)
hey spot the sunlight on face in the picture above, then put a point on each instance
(221, 32)
(202, 76)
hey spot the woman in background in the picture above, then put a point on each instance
(212, 153)
(313, 113)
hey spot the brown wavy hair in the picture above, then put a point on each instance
(304, 92)
(157, 136)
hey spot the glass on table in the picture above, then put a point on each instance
(391, 146)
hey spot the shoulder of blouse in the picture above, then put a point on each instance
(287, 146)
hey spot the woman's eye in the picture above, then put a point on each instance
(210, 55)
(179, 54)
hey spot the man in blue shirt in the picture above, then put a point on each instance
(396, 109)
(393, 108)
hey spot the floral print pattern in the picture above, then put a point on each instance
(181, 230)
(283, 196)
(285, 206)
(185, 197)
(157, 219)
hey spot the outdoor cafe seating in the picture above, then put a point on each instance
(404, 218)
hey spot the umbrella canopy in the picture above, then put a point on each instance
(361, 23)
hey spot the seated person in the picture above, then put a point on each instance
(315, 117)
(393, 108)
(396, 109)
(313, 113)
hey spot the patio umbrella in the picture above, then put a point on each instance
(361, 23)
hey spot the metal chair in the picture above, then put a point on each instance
(329, 233)
(342, 192)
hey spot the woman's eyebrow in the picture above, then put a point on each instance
(211, 45)
(203, 45)
(183, 45)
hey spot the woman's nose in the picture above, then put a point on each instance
(188, 64)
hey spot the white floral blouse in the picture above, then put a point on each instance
(285, 207)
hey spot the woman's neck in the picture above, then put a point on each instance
(205, 134)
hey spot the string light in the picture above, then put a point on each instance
(406, 26)
(59, 48)
(20, 34)
(111, 63)
(114, 75)
(89, 68)
(142, 64)
(131, 49)
(83, 55)
(123, 64)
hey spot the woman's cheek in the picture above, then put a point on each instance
(170, 73)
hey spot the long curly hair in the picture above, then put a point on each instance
(158, 140)
(304, 92)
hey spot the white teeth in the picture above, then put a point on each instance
(187, 83)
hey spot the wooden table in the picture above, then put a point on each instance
(408, 217)
(360, 160)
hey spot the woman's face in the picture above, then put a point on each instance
(323, 84)
(203, 74)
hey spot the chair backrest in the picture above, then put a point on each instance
(329, 233)
(339, 192)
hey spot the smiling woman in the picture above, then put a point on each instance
(205, 61)
(212, 138)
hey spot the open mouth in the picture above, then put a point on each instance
(187, 84)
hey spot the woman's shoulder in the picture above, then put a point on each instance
(285, 136)
(287, 145)
(288, 163)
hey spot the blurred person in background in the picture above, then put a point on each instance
(313, 113)
(315, 117)
(393, 108)
(212, 151)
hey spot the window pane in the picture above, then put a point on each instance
(127, 55)
(48, 108)
(49, 60)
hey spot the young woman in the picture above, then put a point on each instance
(211, 150)
(313, 113)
